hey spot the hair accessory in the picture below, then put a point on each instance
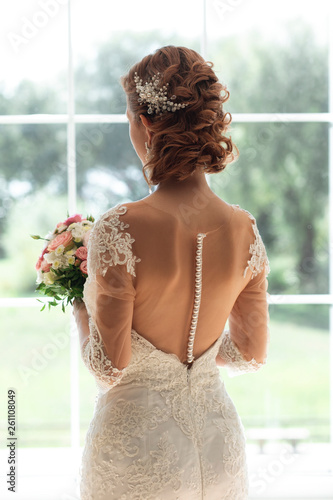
(155, 97)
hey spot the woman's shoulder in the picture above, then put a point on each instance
(127, 218)
(121, 211)
(242, 217)
(247, 230)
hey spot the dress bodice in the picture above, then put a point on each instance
(150, 274)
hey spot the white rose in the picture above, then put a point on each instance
(39, 278)
(86, 225)
(50, 257)
(50, 236)
(77, 233)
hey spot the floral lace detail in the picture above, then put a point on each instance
(97, 361)
(125, 425)
(236, 364)
(259, 260)
(184, 392)
(147, 477)
(202, 477)
(109, 245)
(165, 431)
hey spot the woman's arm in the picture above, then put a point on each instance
(82, 321)
(244, 348)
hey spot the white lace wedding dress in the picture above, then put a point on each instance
(162, 429)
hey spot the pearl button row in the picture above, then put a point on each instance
(197, 298)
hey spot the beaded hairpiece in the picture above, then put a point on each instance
(155, 97)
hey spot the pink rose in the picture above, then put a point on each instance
(74, 218)
(39, 263)
(40, 259)
(62, 239)
(83, 267)
(45, 266)
(82, 253)
(85, 238)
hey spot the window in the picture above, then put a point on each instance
(65, 146)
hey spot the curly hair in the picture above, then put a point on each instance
(190, 138)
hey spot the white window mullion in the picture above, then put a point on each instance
(121, 118)
(203, 45)
(71, 179)
(330, 176)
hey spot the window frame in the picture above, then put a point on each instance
(71, 119)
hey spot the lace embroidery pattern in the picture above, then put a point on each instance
(109, 244)
(236, 364)
(97, 361)
(259, 259)
(125, 424)
(158, 399)
(148, 477)
(202, 477)
(171, 383)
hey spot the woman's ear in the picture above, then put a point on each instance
(146, 123)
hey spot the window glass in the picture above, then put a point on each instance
(271, 55)
(108, 169)
(120, 34)
(33, 55)
(39, 371)
(283, 181)
(292, 390)
(33, 185)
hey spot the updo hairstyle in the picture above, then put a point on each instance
(190, 138)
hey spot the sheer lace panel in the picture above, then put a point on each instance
(96, 360)
(235, 362)
(109, 244)
(259, 259)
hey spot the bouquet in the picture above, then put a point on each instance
(62, 265)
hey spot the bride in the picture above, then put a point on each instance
(164, 275)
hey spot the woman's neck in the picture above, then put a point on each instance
(195, 181)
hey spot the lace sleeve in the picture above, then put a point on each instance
(97, 361)
(248, 335)
(235, 363)
(259, 260)
(109, 297)
(109, 244)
